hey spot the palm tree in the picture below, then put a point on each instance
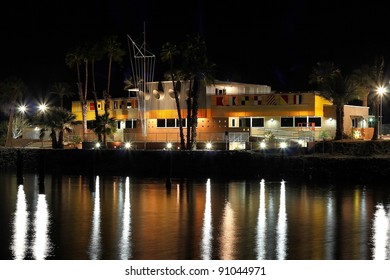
(95, 54)
(62, 90)
(169, 51)
(335, 88)
(105, 126)
(370, 79)
(10, 90)
(76, 58)
(113, 48)
(197, 69)
(59, 121)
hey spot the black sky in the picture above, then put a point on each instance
(264, 42)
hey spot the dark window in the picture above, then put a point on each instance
(183, 122)
(301, 121)
(245, 122)
(257, 122)
(316, 120)
(131, 124)
(287, 122)
(160, 122)
(90, 124)
(171, 122)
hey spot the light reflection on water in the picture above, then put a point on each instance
(381, 234)
(207, 231)
(95, 247)
(20, 226)
(125, 218)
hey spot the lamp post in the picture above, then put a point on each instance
(42, 108)
(380, 91)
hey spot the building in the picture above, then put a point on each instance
(231, 116)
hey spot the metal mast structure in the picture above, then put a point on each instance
(142, 65)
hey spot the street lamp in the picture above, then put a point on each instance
(42, 107)
(22, 109)
(380, 90)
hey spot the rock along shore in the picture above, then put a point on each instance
(361, 163)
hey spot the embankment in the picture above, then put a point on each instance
(370, 165)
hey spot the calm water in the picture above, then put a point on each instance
(71, 217)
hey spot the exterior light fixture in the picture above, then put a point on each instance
(127, 145)
(208, 145)
(22, 109)
(283, 145)
(169, 145)
(263, 145)
(97, 145)
(381, 91)
(42, 107)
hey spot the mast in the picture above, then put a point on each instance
(143, 65)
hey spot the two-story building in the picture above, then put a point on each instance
(231, 115)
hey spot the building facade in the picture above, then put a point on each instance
(231, 116)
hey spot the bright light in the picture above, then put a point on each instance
(22, 109)
(169, 145)
(300, 142)
(283, 145)
(208, 146)
(263, 145)
(127, 145)
(97, 145)
(42, 107)
(381, 90)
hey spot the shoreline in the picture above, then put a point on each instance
(276, 165)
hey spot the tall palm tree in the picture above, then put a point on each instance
(169, 51)
(335, 88)
(10, 90)
(370, 79)
(77, 58)
(95, 54)
(197, 69)
(61, 90)
(113, 48)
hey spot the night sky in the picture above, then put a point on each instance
(275, 43)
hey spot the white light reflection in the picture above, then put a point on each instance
(330, 239)
(228, 237)
(381, 234)
(207, 226)
(261, 224)
(20, 227)
(41, 243)
(95, 246)
(282, 225)
(125, 242)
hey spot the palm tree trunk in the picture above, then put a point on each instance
(60, 142)
(376, 122)
(339, 122)
(182, 142)
(8, 141)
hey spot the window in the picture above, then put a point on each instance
(287, 122)
(257, 122)
(301, 121)
(160, 122)
(220, 91)
(315, 120)
(131, 123)
(171, 122)
(245, 122)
